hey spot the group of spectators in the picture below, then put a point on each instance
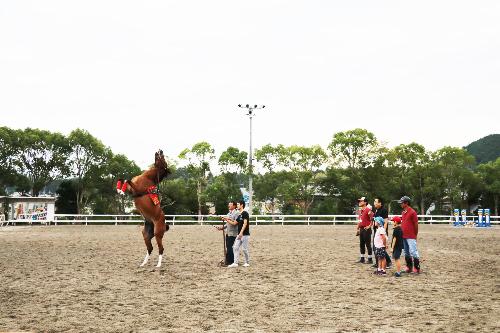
(375, 221)
(237, 227)
(372, 229)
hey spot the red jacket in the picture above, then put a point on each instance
(409, 224)
(365, 217)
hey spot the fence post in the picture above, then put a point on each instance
(283, 221)
(173, 220)
(86, 222)
(309, 220)
(116, 220)
(334, 220)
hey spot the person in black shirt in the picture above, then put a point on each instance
(397, 244)
(380, 210)
(243, 237)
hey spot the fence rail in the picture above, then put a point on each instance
(255, 220)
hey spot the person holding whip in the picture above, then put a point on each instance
(243, 237)
(231, 228)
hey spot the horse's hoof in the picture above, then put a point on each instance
(160, 258)
(145, 261)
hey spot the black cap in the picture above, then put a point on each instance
(404, 199)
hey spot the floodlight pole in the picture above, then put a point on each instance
(250, 114)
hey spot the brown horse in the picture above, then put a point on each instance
(145, 192)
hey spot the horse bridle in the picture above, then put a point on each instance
(162, 159)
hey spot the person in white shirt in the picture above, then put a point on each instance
(380, 243)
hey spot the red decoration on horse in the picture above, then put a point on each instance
(145, 192)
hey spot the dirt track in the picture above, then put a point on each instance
(86, 279)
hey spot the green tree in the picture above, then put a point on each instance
(222, 189)
(266, 184)
(232, 160)
(199, 158)
(267, 188)
(354, 149)
(66, 198)
(490, 173)
(303, 165)
(348, 174)
(178, 193)
(87, 164)
(226, 186)
(412, 168)
(339, 186)
(270, 157)
(455, 176)
(104, 198)
(10, 149)
(42, 157)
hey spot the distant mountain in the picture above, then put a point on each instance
(485, 149)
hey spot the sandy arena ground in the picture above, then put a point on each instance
(302, 279)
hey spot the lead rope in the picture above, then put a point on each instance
(158, 186)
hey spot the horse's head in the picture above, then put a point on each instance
(161, 164)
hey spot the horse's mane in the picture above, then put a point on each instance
(156, 174)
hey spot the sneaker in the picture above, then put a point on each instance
(397, 274)
(383, 273)
(407, 270)
(232, 265)
(389, 267)
(416, 270)
(246, 265)
(361, 260)
(370, 261)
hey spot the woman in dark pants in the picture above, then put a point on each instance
(380, 210)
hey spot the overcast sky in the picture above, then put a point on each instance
(146, 74)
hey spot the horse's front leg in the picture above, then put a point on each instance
(159, 232)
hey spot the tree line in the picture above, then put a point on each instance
(287, 179)
(79, 167)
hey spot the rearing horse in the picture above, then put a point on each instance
(145, 192)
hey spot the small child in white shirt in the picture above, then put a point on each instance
(380, 243)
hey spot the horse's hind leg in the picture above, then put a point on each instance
(159, 232)
(147, 234)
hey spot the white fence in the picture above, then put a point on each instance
(255, 220)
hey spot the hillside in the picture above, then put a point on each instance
(485, 149)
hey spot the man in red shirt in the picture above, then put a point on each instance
(409, 226)
(364, 230)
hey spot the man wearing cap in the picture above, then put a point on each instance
(365, 231)
(409, 226)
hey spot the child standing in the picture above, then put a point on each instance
(397, 244)
(380, 243)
